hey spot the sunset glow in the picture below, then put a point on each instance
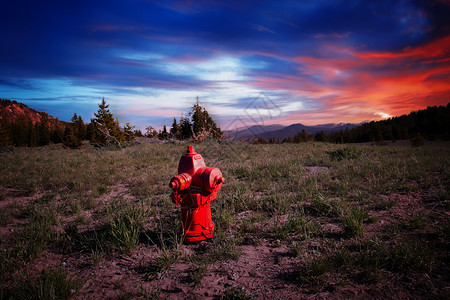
(317, 62)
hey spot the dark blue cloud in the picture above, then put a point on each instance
(72, 39)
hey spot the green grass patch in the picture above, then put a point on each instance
(224, 247)
(352, 221)
(399, 256)
(350, 152)
(298, 226)
(125, 222)
(50, 284)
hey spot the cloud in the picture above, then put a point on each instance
(358, 84)
(317, 60)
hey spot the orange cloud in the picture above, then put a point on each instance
(438, 48)
(357, 86)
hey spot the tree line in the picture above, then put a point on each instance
(22, 132)
(431, 123)
(103, 129)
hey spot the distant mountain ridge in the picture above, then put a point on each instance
(23, 126)
(12, 111)
(281, 132)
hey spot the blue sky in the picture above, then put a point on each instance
(283, 62)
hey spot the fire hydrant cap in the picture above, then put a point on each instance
(190, 151)
(212, 179)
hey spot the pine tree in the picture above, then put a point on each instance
(43, 131)
(74, 125)
(81, 128)
(203, 125)
(106, 127)
(57, 136)
(301, 137)
(175, 130)
(90, 128)
(199, 117)
(185, 128)
(19, 132)
(287, 140)
(137, 133)
(163, 135)
(32, 134)
(128, 131)
(73, 138)
(70, 137)
(320, 136)
(5, 133)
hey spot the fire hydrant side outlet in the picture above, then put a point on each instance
(193, 189)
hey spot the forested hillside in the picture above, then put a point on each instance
(21, 125)
(431, 124)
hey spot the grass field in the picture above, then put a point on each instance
(292, 221)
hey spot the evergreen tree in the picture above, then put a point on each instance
(72, 136)
(106, 128)
(19, 132)
(32, 134)
(199, 116)
(301, 137)
(43, 131)
(320, 136)
(185, 128)
(81, 128)
(203, 124)
(57, 135)
(5, 133)
(175, 130)
(74, 125)
(150, 132)
(128, 131)
(259, 140)
(163, 135)
(90, 128)
(138, 133)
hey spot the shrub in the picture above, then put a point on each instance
(352, 221)
(350, 152)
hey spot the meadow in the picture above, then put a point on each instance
(314, 220)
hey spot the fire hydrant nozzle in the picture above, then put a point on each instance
(180, 182)
(193, 189)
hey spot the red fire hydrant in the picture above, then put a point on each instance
(193, 189)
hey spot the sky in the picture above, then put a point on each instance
(249, 62)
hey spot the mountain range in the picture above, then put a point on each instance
(281, 132)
